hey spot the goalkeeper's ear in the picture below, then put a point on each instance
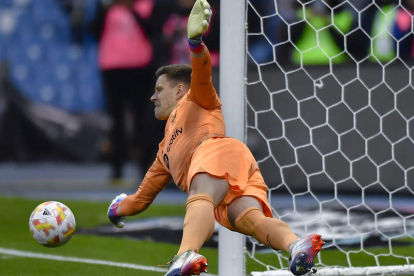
(199, 19)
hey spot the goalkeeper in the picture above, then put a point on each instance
(219, 174)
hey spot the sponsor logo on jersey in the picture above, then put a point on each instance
(174, 136)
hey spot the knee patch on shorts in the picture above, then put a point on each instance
(196, 197)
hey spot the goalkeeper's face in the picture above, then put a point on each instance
(166, 96)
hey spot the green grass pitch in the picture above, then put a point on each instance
(14, 234)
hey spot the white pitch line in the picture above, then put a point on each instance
(77, 260)
(27, 254)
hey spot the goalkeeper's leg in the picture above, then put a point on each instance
(246, 215)
(206, 192)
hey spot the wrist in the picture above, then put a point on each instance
(196, 44)
(196, 39)
(116, 209)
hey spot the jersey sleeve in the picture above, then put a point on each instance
(202, 90)
(155, 180)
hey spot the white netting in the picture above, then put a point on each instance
(330, 119)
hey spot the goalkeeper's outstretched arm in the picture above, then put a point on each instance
(202, 90)
(155, 180)
(198, 23)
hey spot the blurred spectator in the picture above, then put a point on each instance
(76, 10)
(382, 24)
(402, 29)
(125, 58)
(369, 28)
(376, 21)
(272, 29)
(316, 41)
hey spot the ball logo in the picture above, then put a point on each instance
(46, 212)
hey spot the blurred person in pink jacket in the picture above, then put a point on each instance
(126, 61)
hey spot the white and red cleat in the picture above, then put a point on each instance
(186, 264)
(302, 253)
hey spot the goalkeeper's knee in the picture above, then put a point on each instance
(113, 211)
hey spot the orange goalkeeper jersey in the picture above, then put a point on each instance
(197, 117)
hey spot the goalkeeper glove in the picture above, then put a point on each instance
(113, 211)
(198, 21)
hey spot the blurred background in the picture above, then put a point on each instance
(76, 77)
(330, 96)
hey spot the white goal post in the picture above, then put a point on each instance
(232, 90)
(334, 141)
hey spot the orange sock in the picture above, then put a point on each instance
(198, 222)
(273, 233)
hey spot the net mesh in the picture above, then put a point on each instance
(330, 119)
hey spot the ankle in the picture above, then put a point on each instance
(292, 244)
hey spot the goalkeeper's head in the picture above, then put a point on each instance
(173, 82)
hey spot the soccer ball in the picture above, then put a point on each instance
(52, 224)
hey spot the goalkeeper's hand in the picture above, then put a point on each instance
(199, 19)
(113, 211)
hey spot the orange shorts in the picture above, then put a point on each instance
(230, 159)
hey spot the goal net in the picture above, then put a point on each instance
(330, 119)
